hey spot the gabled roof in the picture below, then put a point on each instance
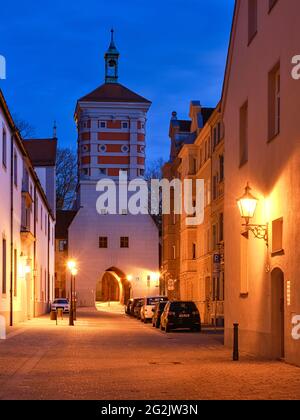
(185, 125)
(21, 144)
(42, 152)
(206, 114)
(113, 92)
(64, 218)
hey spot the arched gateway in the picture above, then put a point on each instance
(113, 286)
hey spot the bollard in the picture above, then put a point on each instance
(2, 328)
(236, 356)
(60, 314)
(53, 316)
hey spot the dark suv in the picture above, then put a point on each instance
(180, 315)
(136, 302)
(157, 313)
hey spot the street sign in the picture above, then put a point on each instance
(171, 285)
(217, 258)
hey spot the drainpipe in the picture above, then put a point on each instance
(11, 321)
(34, 253)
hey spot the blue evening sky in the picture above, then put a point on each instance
(172, 52)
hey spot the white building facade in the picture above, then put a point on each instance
(117, 254)
(26, 228)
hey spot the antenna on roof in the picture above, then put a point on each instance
(54, 130)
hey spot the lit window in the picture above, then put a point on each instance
(63, 245)
(277, 235)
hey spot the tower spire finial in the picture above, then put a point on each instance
(111, 61)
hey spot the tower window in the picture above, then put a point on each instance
(102, 148)
(103, 242)
(102, 124)
(125, 125)
(124, 242)
(85, 172)
(125, 148)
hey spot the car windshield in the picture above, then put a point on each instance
(61, 302)
(153, 300)
(183, 307)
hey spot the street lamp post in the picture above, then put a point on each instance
(71, 315)
(74, 274)
(73, 270)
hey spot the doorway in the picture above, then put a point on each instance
(113, 287)
(278, 313)
(108, 289)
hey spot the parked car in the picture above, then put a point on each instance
(157, 313)
(137, 309)
(134, 303)
(128, 307)
(61, 303)
(148, 306)
(180, 315)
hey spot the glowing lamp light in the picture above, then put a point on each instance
(247, 204)
(27, 269)
(129, 277)
(71, 265)
(155, 277)
(74, 272)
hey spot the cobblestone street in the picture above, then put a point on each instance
(110, 356)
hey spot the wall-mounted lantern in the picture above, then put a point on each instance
(247, 205)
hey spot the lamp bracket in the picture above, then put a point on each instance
(259, 231)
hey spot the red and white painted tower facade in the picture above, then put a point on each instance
(111, 127)
(111, 123)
